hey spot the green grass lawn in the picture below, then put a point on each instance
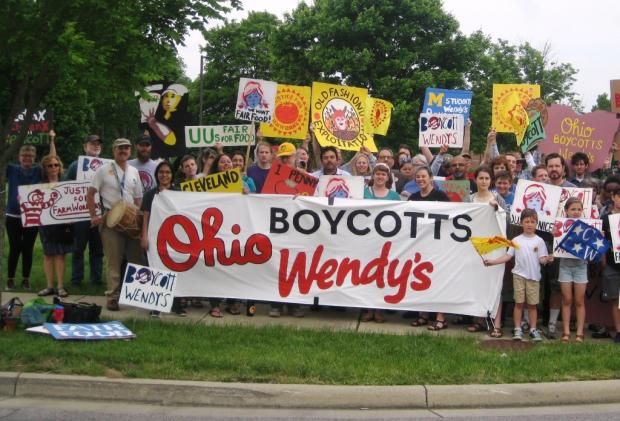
(288, 355)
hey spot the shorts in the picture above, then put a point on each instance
(573, 270)
(526, 290)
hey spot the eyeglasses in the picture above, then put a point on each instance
(53, 165)
(457, 165)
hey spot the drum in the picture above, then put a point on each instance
(126, 218)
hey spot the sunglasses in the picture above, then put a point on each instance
(53, 165)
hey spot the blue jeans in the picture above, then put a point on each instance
(84, 235)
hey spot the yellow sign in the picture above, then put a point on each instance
(484, 245)
(290, 118)
(379, 116)
(221, 182)
(338, 115)
(505, 108)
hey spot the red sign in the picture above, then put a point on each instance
(283, 179)
(569, 132)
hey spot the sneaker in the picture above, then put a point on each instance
(181, 312)
(535, 335)
(154, 314)
(26, 284)
(552, 332)
(112, 304)
(274, 312)
(525, 326)
(517, 334)
(10, 284)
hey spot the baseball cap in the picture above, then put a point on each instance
(121, 142)
(286, 149)
(144, 139)
(92, 138)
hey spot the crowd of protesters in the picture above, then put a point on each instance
(535, 280)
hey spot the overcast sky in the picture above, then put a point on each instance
(583, 33)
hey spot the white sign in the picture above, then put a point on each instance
(256, 100)
(55, 203)
(614, 231)
(437, 130)
(149, 288)
(543, 198)
(88, 166)
(354, 253)
(228, 135)
(583, 194)
(562, 225)
(341, 186)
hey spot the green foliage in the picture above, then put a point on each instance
(603, 103)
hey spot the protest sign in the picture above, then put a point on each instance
(534, 134)
(90, 331)
(615, 95)
(87, 166)
(457, 190)
(227, 135)
(225, 181)
(441, 129)
(256, 100)
(353, 253)
(561, 227)
(282, 179)
(543, 198)
(290, 117)
(164, 114)
(583, 194)
(38, 129)
(569, 132)
(447, 101)
(342, 186)
(149, 288)
(55, 203)
(509, 102)
(379, 115)
(614, 230)
(338, 115)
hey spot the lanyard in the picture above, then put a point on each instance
(121, 183)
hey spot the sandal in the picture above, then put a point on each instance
(496, 333)
(367, 317)
(438, 325)
(579, 338)
(565, 338)
(476, 327)
(45, 292)
(62, 293)
(420, 321)
(215, 312)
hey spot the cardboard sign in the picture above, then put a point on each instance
(543, 198)
(615, 95)
(88, 166)
(290, 119)
(149, 288)
(256, 100)
(614, 231)
(379, 115)
(223, 182)
(457, 190)
(506, 104)
(341, 186)
(228, 135)
(55, 203)
(447, 101)
(562, 225)
(89, 332)
(534, 134)
(38, 130)
(338, 115)
(569, 132)
(353, 253)
(441, 129)
(282, 179)
(583, 194)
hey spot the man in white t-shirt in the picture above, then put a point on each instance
(114, 182)
(144, 164)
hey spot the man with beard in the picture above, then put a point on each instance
(329, 159)
(459, 166)
(144, 164)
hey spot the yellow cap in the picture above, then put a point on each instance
(286, 149)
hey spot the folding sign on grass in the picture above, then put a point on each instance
(338, 115)
(256, 100)
(290, 119)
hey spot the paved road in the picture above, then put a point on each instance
(50, 410)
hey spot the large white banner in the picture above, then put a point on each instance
(55, 203)
(355, 253)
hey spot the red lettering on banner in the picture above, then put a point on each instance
(373, 272)
(257, 249)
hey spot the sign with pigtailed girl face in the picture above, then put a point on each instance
(256, 100)
(543, 198)
(341, 186)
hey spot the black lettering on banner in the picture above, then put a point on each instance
(333, 223)
(414, 222)
(352, 227)
(397, 224)
(438, 218)
(315, 218)
(457, 224)
(278, 215)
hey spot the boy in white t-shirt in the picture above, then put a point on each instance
(531, 254)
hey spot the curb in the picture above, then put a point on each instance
(256, 395)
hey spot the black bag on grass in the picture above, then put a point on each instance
(80, 312)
